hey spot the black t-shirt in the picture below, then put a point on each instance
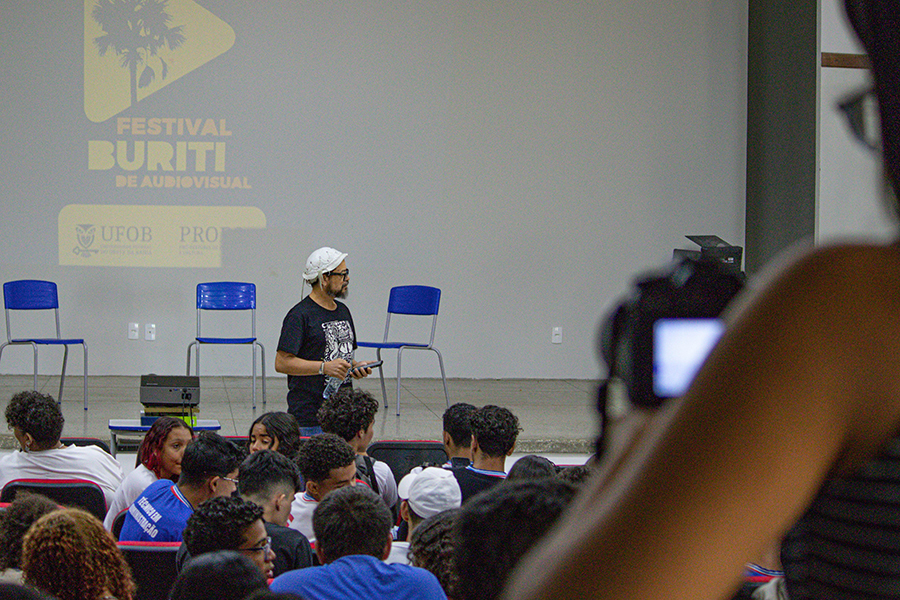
(472, 480)
(314, 333)
(292, 549)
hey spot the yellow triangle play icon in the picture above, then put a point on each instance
(134, 48)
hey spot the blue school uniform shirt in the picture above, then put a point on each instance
(160, 514)
(360, 576)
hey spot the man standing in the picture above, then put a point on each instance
(317, 338)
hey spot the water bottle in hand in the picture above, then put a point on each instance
(333, 383)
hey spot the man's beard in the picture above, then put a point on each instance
(342, 293)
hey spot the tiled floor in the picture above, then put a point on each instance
(555, 415)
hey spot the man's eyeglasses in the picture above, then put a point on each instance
(234, 481)
(345, 274)
(266, 547)
(861, 111)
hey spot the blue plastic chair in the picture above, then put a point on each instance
(416, 300)
(31, 294)
(229, 295)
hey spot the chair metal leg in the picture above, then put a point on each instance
(187, 370)
(62, 377)
(443, 376)
(399, 354)
(381, 376)
(253, 376)
(34, 347)
(84, 345)
(262, 352)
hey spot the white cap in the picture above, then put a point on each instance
(430, 491)
(321, 261)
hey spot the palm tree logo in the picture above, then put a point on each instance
(136, 30)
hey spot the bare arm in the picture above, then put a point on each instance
(287, 363)
(787, 397)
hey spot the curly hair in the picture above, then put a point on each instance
(531, 466)
(321, 453)
(498, 526)
(458, 423)
(283, 427)
(495, 429)
(38, 415)
(152, 445)
(219, 524)
(577, 475)
(68, 554)
(347, 412)
(265, 473)
(352, 520)
(24, 510)
(431, 547)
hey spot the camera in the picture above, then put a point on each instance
(656, 340)
(659, 336)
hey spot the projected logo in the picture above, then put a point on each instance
(134, 48)
(85, 236)
(150, 236)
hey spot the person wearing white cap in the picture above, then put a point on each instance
(424, 492)
(318, 338)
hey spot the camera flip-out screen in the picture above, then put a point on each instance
(679, 348)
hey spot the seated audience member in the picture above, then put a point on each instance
(37, 423)
(353, 533)
(576, 474)
(350, 414)
(494, 433)
(531, 466)
(221, 575)
(158, 457)
(14, 522)
(276, 431)
(431, 547)
(458, 434)
(495, 529)
(326, 462)
(424, 492)
(208, 469)
(271, 481)
(68, 553)
(228, 523)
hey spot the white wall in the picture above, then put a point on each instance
(526, 157)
